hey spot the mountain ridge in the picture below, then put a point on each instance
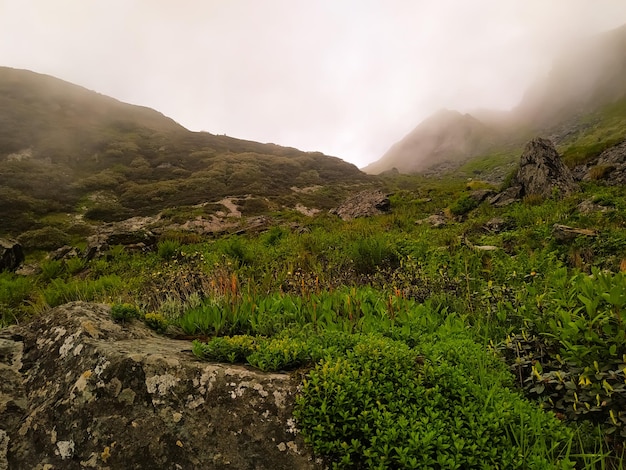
(580, 83)
(66, 149)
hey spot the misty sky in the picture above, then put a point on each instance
(345, 77)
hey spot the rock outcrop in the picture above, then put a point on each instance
(80, 391)
(11, 255)
(541, 173)
(363, 204)
(610, 167)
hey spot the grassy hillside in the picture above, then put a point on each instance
(476, 343)
(65, 149)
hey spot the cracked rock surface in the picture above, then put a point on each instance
(80, 391)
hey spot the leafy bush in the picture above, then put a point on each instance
(156, 321)
(574, 362)
(372, 252)
(51, 269)
(228, 349)
(463, 205)
(124, 312)
(46, 238)
(383, 405)
(168, 249)
(239, 252)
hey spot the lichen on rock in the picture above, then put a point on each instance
(82, 391)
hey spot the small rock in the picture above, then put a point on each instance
(566, 233)
(11, 255)
(497, 225)
(363, 204)
(480, 195)
(435, 220)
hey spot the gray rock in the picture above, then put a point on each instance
(507, 197)
(11, 255)
(541, 173)
(363, 204)
(565, 233)
(497, 225)
(95, 394)
(610, 167)
(480, 195)
(589, 207)
(435, 221)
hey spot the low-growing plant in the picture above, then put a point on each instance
(156, 321)
(384, 405)
(123, 313)
(463, 205)
(168, 249)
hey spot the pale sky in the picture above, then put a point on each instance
(345, 77)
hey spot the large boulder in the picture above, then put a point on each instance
(78, 390)
(541, 173)
(11, 255)
(363, 204)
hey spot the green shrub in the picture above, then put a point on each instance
(574, 362)
(239, 252)
(463, 205)
(122, 313)
(383, 405)
(168, 249)
(372, 252)
(51, 269)
(227, 349)
(156, 322)
(46, 238)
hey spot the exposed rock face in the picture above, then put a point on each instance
(11, 255)
(363, 204)
(80, 391)
(541, 173)
(610, 167)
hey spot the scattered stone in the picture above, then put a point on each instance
(79, 390)
(589, 207)
(306, 211)
(363, 204)
(479, 247)
(507, 197)
(64, 252)
(497, 225)
(11, 255)
(435, 221)
(565, 233)
(480, 195)
(610, 167)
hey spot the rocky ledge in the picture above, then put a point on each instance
(78, 390)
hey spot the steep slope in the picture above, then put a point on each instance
(582, 79)
(63, 147)
(445, 137)
(566, 105)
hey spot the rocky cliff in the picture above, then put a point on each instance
(78, 390)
